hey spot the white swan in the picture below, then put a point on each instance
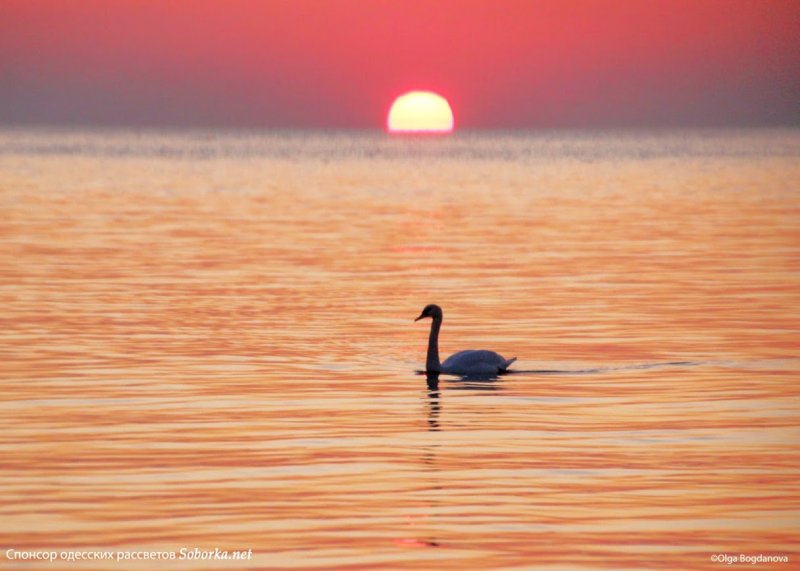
(469, 362)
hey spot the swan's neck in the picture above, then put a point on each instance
(432, 362)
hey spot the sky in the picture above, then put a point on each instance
(502, 64)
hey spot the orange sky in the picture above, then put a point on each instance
(339, 63)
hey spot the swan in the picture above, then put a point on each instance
(469, 362)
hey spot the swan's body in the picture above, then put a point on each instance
(469, 362)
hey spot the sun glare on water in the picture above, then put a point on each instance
(420, 112)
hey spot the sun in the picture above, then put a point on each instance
(420, 112)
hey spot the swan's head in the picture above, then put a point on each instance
(432, 310)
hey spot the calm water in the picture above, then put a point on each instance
(207, 341)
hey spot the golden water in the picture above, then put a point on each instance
(207, 341)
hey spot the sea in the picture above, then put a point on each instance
(209, 360)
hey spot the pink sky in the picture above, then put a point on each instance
(339, 63)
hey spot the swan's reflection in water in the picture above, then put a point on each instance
(472, 383)
(433, 401)
(434, 393)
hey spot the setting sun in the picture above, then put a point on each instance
(420, 112)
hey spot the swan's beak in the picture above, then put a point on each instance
(421, 315)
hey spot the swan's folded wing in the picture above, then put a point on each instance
(475, 361)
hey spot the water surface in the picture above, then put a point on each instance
(207, 341)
